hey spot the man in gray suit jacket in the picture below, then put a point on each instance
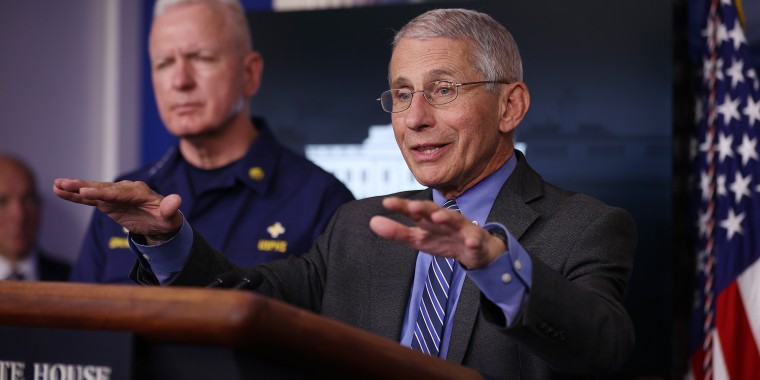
(525, 280)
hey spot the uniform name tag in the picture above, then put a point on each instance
(117, 242)
(273, 245)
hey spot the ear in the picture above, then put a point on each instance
(253, 67)
(514, 102)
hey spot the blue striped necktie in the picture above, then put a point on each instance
(431, 316)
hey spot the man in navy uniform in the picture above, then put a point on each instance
(250, 197)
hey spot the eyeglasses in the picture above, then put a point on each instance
(436, 93)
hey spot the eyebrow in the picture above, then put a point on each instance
(437, 73)
(399, 82)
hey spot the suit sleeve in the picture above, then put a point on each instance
(575, 319)
(298, 280)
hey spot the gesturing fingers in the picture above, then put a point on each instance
(390, 229)
(436, 230)
(69, 190)
(425, 214)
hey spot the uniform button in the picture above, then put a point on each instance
(506, 278)
(256, 173)
(475, 222)
(146, 257)
(518, 265)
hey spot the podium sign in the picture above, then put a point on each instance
(62, 354)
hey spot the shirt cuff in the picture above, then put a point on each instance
(167, 258)
(507, 280)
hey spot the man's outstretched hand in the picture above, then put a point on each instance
(131, 204)
(438, 231)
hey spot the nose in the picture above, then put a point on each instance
(418, 115)
(182, 77)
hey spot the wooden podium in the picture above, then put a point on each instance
(187, 333)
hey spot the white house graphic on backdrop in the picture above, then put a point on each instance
(374, 167)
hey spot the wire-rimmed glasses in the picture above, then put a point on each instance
(436, 93)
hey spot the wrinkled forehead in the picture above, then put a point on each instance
(420, 61)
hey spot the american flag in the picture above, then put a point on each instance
(726, 319)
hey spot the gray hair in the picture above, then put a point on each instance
(496, 54)
(233, 10)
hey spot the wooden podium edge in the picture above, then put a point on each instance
(216, 317)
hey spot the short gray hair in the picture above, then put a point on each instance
(233, 10)
(496, 54)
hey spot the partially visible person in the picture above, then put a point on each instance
(251, 198)
(20, 212)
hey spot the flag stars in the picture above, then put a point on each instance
(722, 34)
(747, 149)
(708, 28)
(737, 35)
(725, 149)
(733, 223)
(740, 186)
(752, 111)
(751, 74)
(722, 185)
(701, 257)
(704, 185)
(736, 72)
(729, 109)
(732, 161)
(707, 144)
(704, 218)
(709, 68)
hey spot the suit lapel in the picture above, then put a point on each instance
(511, 205)
(510, 209)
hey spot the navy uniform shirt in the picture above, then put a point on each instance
(270, 204)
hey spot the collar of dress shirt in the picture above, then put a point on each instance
(476, 202)
(26, 266)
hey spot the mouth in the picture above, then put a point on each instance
(428, 151)
(185, 107)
